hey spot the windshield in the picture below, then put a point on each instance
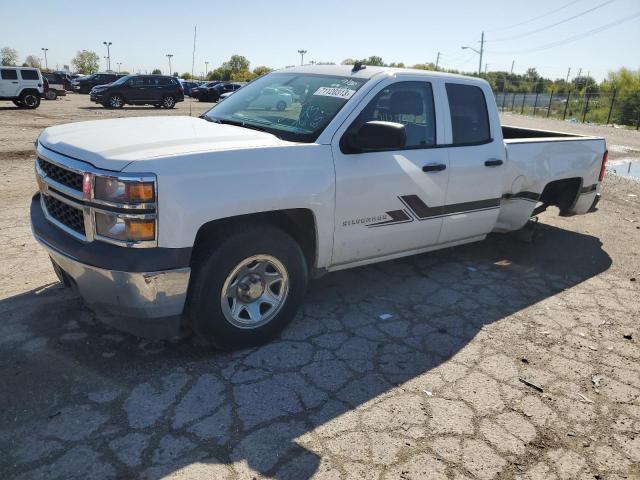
(292, 106)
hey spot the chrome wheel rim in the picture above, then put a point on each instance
(169, 102)
(255, 291)
(115, 101)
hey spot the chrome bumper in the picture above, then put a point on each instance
(149, 304)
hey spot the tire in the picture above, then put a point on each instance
(168, 101)
(246, 256)
(281, 106)
(50, 95)
(30, 100)
(116, 101)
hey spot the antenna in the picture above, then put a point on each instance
(193, 61)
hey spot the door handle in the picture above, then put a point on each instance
(434, 167)
(493, 162)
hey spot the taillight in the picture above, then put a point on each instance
(180, 89)
(605, 157)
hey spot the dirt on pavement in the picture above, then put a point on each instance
(500, 359)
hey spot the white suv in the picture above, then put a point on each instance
(22, 85)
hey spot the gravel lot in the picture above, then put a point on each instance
(501, 359)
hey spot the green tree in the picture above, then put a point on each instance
(8, 56)
(86, 62)
(348, 61)
(156, 71)
(186, 76)
(374, 60)
(261, 70)
(425, 66)
(33, 61)
(238, 63)
(176, 74)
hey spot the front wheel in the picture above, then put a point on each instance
(116, 101)
(248, 288)
(168, 102)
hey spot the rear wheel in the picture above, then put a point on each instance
(168, 102)
(246, 289)
(116, 101)
(30, 100)
(50, 95)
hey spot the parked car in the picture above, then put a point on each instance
(85, 84)
(156, 90)
(22, 85)
(226, 95)
(54, 85)
(218, 222)
(202, 87)
(212, 93)
(272, 97)
(187, 85)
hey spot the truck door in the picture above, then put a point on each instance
(476, 163)
(387, 202)
(9, 83)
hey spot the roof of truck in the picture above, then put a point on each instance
(369, 71)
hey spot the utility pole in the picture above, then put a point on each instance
(302, 52)
(206, 67)
(108, 44)
(119, 63)
(512, 65)
(169, 55)
(437, 61)
(486, 65)
(568, 73)
(46, 64)
(481, 52)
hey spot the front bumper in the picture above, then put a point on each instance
(146, 303)
(97, 97)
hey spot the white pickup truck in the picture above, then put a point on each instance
(217, 223)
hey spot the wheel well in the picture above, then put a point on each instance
(297, 222)
(561, 193)
(29, 90)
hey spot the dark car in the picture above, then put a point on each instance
(85, 84)
(212, 94)
(201, 88)
(156, 90)
(188, 85)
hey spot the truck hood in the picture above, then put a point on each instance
(114, 144)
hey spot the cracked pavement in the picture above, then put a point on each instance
(500, 359)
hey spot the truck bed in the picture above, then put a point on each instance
(519, 133)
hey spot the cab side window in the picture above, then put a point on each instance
(469, 115)
(29, 74)
(136, 82)
(408, 103)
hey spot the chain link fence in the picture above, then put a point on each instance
(602, 108)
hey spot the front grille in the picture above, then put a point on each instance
(61, 175)
(66, 214)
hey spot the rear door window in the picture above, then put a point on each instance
(469, 115)
(8, 74)
(29, 74)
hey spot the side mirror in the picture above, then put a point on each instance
(376, 135)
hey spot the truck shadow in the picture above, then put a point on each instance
(340, 353)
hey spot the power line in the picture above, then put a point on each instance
(573, 38)
(541, 29)
(535, 18)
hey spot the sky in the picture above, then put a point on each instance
(271, 33)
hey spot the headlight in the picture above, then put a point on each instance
(124, 229)
(117, 190)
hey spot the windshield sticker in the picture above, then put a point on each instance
(337, 92)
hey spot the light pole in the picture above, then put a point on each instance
(46, 64)
(206, 68)
(108, 44)
(119, 63)
(169, 55)
(479, 52)
(302, 52)
(437, 61)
